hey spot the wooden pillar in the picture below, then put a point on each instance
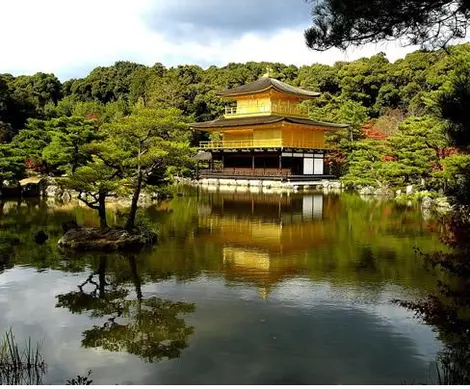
(280, 163)
(212, 163)
(223, 162)
(253, 162)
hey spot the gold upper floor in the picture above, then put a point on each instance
(265, 104)
(277, 135)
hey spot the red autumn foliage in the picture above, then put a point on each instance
(34, 165)
(370, 131)
(91, 116)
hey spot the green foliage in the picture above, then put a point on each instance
(40, 89)
(57, 121)
(365, 164)
(318, 77)
(109, 93)
(455, 176)
(153, 140)
(69, 136)
(150, 141)
(454, 102)
(95, 182)
(32, 140)
(94, 177)
(12, 167)
(416, 149)
(361, 80)
(104, 84)
(339, 110)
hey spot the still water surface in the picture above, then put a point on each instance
(243, 288)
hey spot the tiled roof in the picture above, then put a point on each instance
(258, 120)
(266, 83)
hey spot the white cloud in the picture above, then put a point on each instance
(69, 38)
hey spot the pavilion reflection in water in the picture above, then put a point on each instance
(265, 236)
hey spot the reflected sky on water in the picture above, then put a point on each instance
(248, 288)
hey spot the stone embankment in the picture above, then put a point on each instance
(265, 184)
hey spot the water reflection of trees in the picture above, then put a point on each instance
(447, 308)
(371, 243)
(20, 221)
(149, 327)
(366, 239)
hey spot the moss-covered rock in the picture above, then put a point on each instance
(109, 239)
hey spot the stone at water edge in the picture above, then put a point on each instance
(441, 204)
(426, 202)
(367, 191)
(110, 239)
(384, 192)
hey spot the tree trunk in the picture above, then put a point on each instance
(135, 277)
(102, 276)
(130, 223)
(102, 210)
(75, 159)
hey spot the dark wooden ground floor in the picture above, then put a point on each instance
(279, 164)
(261, 175)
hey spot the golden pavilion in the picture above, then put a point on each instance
(266, 133)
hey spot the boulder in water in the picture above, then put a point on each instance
(40, 237)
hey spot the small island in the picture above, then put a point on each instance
(106, 239)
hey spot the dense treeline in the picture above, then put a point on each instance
(396, 135)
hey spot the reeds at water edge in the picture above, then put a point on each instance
(24, 366)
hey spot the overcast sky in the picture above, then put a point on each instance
(71, 37)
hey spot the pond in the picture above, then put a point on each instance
(243, 288)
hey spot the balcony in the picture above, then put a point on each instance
(263, 143)
(241, 144)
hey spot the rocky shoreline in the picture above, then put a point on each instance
(430, 201)
(51, 189)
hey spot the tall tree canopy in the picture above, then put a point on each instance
(429, 23)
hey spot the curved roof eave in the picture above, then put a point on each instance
(253, 121)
